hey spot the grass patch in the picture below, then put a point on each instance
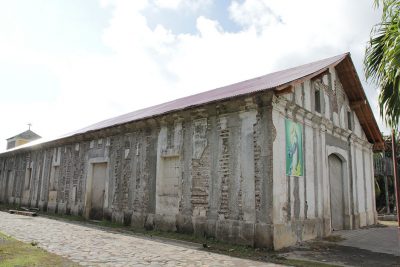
(6, 207)
(64, 217)
(305, 263)
(108, 224)
(16, 253)
(334, 238)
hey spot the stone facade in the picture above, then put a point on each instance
(302, 205)
(216, 170)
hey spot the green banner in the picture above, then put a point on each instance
(294, 148)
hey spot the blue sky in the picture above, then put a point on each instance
(67, 64)
(184, 21)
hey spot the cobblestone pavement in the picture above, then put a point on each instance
(90, 246)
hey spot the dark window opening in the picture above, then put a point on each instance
(317, 98)
(349, 120)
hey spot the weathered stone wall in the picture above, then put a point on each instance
(206, 171)
(302, 205)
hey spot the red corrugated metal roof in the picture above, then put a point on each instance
(269, 81)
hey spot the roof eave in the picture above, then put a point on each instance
(352, 85)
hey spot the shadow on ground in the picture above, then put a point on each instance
(334, 254)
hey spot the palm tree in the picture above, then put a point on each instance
(382, 66)
(382, 61)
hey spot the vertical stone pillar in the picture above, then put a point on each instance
(263, 234)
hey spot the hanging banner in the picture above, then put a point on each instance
(294, 148)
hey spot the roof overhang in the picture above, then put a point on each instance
(358, 102)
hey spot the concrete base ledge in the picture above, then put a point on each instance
(138, 220)
(297, 231)
(237, 232)
(52, 207)
(43, 205)
(364, 219)
(118, 217)
(165, 222)
(77, 210)
(61, 208)
(387, 217)
(232, 231)
(184, 224)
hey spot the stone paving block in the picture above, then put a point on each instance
(94, 247)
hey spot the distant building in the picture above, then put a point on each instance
(21, 139)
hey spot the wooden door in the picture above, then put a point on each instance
(98, 190)
(336, 192)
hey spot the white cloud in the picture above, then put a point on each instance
(253, 13)
(171, 4)
(193, 5)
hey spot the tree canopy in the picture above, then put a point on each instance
(382, 60)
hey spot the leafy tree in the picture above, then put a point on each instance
(382, 60)
(383, 169)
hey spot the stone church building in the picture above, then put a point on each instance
(266, 162)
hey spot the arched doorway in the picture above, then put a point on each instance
(336, 192)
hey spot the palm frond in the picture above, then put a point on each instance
(382, 61)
